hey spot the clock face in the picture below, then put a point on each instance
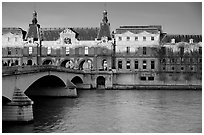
(67, 40)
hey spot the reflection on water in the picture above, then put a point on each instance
(118, 111)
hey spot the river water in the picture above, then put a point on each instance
(100, 111)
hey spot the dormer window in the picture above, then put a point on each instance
(67, 40)
(191, 41)
(173, 41)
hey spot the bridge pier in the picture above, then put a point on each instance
(19, 109)
(71, 89)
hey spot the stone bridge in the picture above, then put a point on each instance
(23, 78)
(16, 81)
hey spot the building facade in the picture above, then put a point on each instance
(135, 55)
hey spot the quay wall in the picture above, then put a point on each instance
(164, 81)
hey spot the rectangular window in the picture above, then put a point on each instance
(8, 39)
(182, 68)
(30, 50)
(151, 78)
(152, 64)
(136, 38)
(144, 50)
(143, 78)
(9, 51)
(144, 38)
(200, 50)
(128, 38)
(152, 38)
(192, 68)
(128, 64)
(200, 60)
(120, 63)
(15, 39)
(136, 64)
(163, 51)
(181, 50)
(119, 38)
(49, 50)
(172, 68)
(191, 60)
(86, 50)
(16, 51)
(172, 60)
(128, 50)
(67, 50)
(144, 64)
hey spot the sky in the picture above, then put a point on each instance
(175, 18)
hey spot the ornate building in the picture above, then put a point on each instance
(12, 45)
(181, 58)
(78, 48)
(136, 55)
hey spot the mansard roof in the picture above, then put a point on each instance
(52, 34)
(181, 38)
(13, 30)
(138, 29)
(87, 33)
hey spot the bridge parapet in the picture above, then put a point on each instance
(32, 69)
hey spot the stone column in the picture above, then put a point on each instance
(19, 109)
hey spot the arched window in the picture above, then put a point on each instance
(29, 62)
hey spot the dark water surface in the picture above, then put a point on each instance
(117, 111)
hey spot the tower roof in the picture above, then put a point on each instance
(104, 30)
(33, 31)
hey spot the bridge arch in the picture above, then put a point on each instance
(77, 80)
(46, 82)
(24, 81)
(100, 82)
(67, 63)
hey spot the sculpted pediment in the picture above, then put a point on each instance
(68, 31)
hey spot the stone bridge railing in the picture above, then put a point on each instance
(34, 69)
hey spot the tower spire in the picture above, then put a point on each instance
(34, 21)
(105, 16)
(104, 27)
